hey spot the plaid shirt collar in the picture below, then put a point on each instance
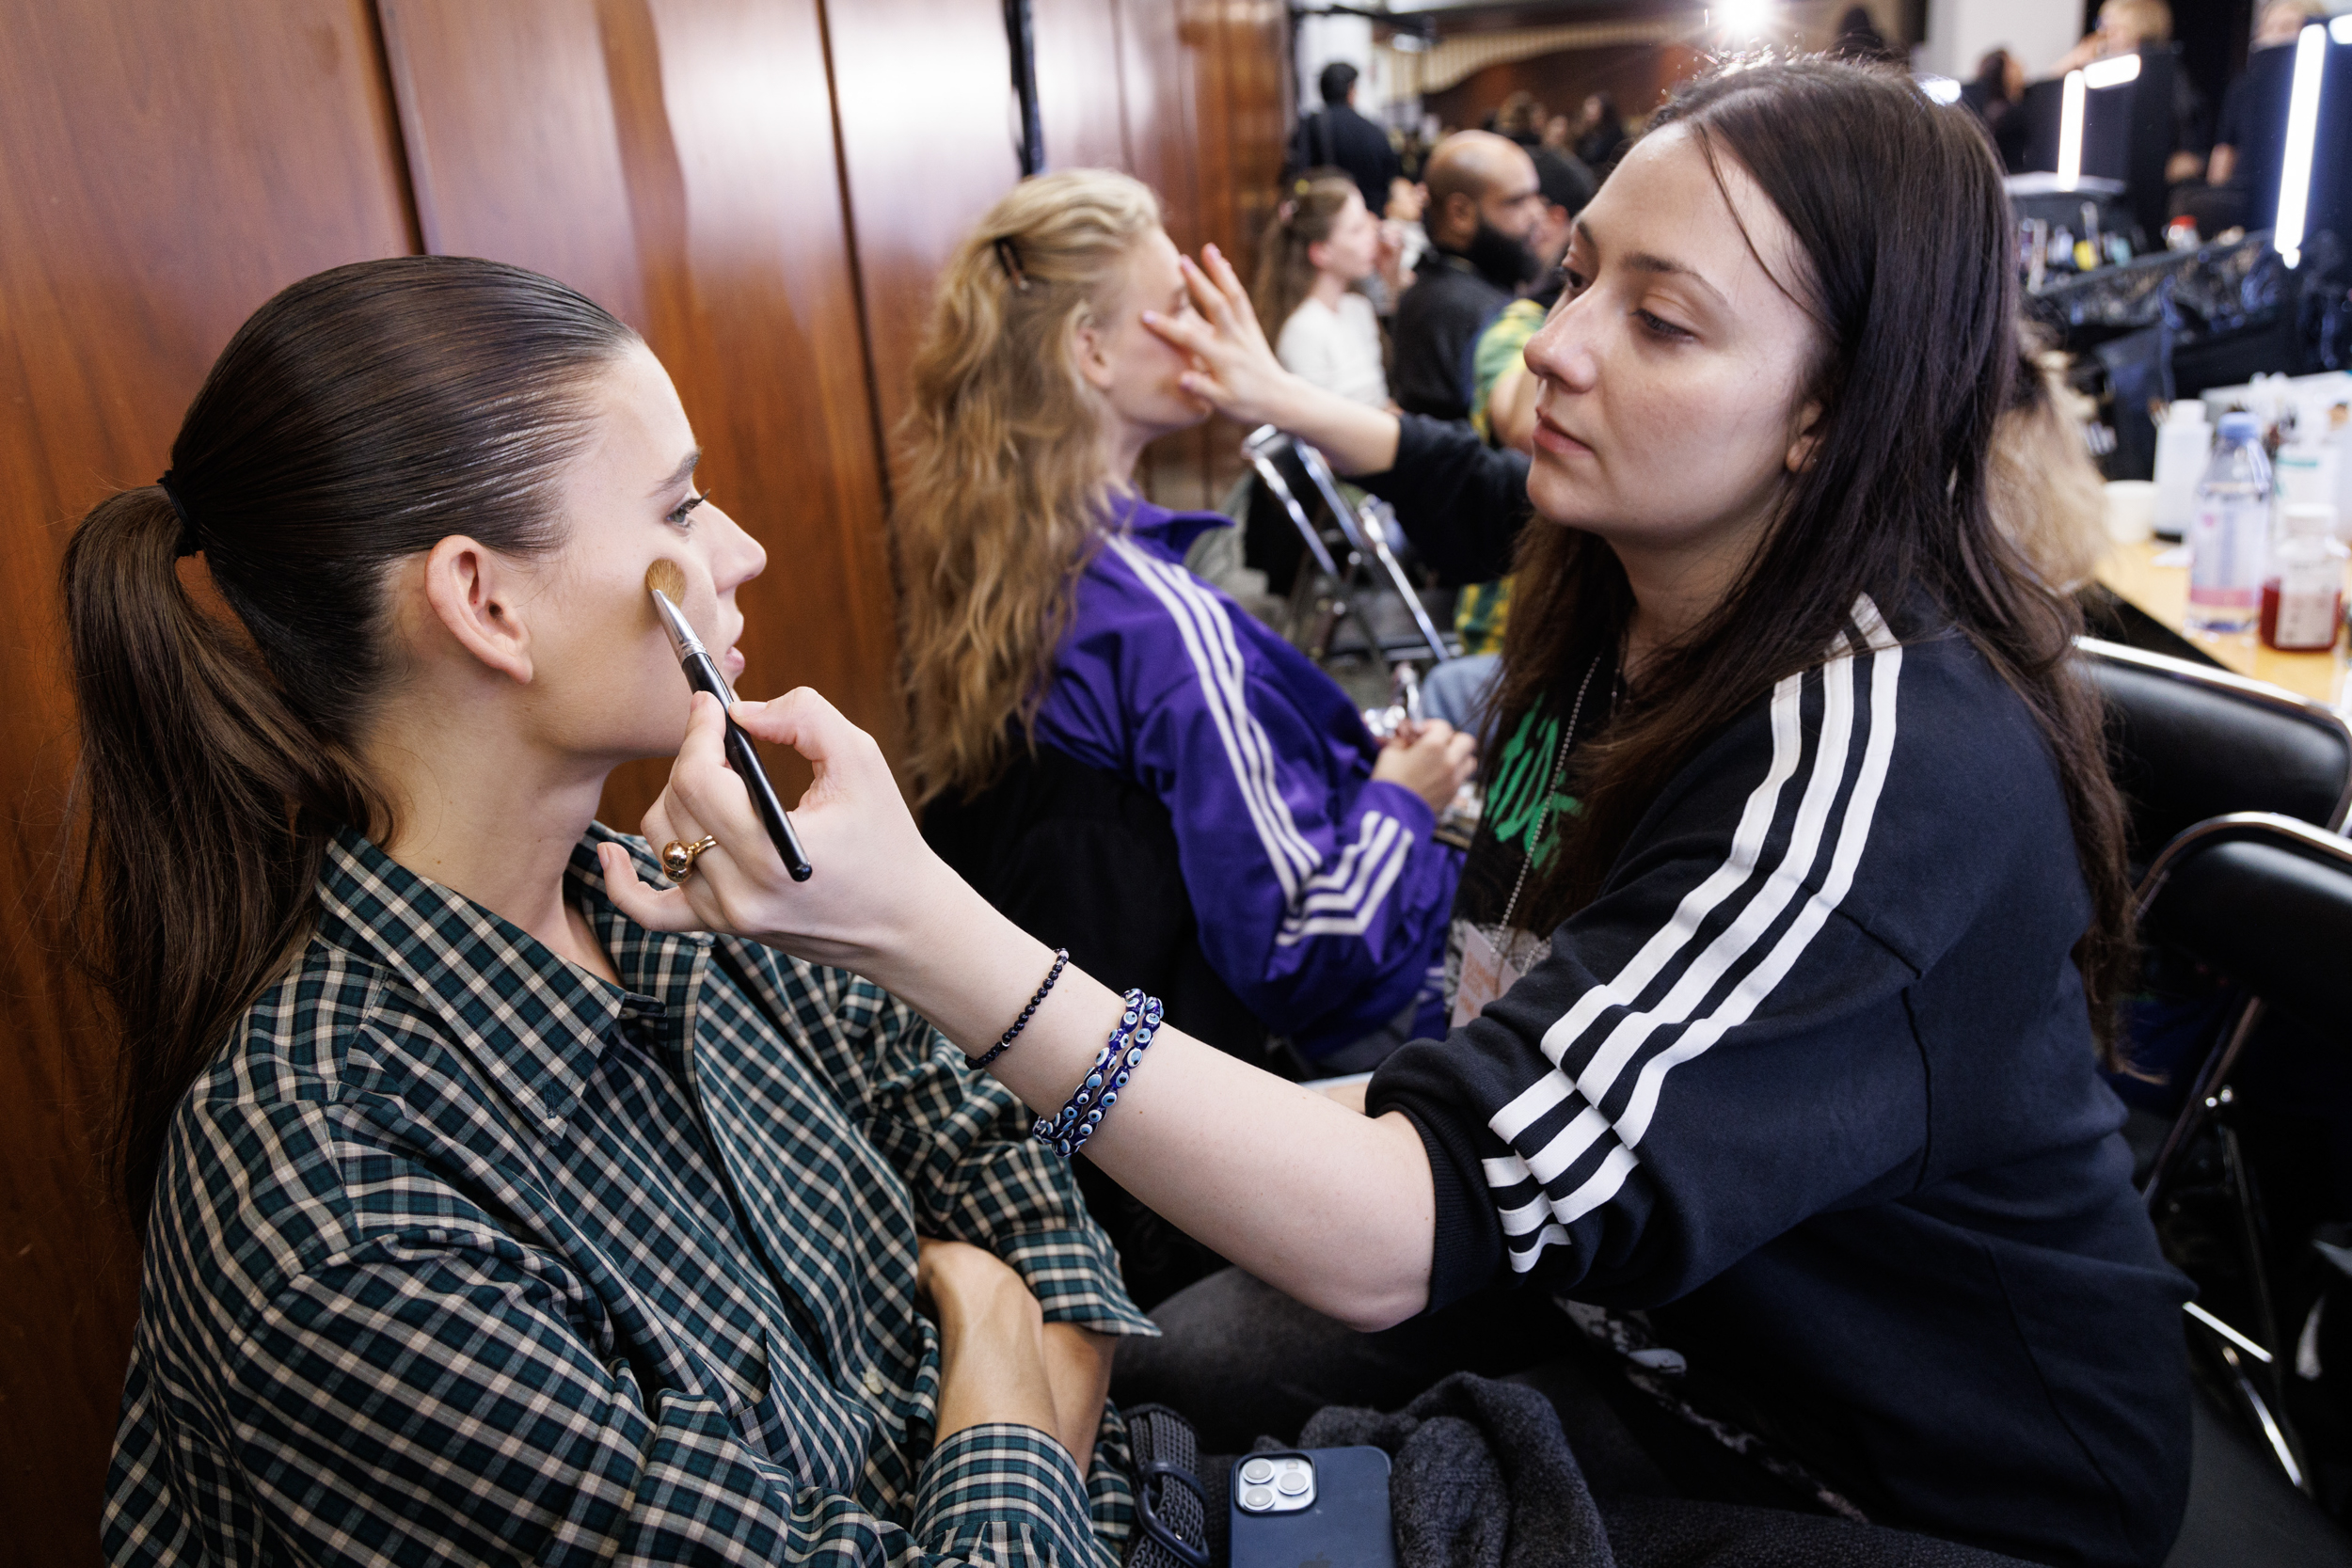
(537, 1024)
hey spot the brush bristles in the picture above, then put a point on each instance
(667, 578)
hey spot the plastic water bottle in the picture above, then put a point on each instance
(2183, 444)
(2229, 528)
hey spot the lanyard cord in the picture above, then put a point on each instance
(1552, 789)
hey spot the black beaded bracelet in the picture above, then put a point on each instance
(1062, 957)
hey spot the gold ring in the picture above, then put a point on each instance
(677, 860)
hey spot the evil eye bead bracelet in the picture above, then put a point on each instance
(1139, 1022)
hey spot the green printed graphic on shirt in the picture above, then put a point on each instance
(1523, 808)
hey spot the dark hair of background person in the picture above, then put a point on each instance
(1337, 80)
(1304, 217)
(1913, 285)
(363, 415)
(1992, 79)
(1858, 38)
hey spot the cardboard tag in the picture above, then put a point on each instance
(1485, 975)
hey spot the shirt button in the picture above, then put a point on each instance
(873, 1381)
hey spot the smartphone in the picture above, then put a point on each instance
(1312, 1508)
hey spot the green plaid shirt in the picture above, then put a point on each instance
(460, 1255)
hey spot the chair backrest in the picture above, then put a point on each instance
(2266, 901)
(2188, 743)
(1275, 458)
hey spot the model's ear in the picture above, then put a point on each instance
(476, 594)
(1090, 347)
(1806, 438)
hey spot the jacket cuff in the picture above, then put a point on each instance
(1006, 1493)
(1074, 1275)
(1466, 1248)
(1401, 804)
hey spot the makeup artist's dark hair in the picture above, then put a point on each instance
(359, 417)
(1905, 260)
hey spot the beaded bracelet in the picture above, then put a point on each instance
(1062, 957)
(1068, 1133)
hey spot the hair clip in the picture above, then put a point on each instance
(1302, 185)
(1009, 257)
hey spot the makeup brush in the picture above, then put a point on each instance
(667, 581)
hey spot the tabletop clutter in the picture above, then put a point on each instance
(2257, 481)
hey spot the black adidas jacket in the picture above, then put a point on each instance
(1813, 1081)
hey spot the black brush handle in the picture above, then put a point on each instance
(703, 675)
(745, 761)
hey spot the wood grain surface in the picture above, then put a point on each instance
(167, 168)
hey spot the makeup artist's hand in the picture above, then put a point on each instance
(878, 891)
(1239, 377)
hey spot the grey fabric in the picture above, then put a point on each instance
(1243, 1360)
(1482, 1479)
(1485, 1478)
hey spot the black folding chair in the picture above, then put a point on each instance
(2187, 743)
(1348, 566)
(2265, 902)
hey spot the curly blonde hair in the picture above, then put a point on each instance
(1005, 472)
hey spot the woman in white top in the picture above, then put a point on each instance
(1322, 243)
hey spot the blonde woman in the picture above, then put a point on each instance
(1320, 246)
(1089, 715)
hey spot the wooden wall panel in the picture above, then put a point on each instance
(929, 139)
(1081, 82)
(167, 168)
(675, 159)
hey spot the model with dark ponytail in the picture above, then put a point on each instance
(215, 766)
(460, 1191)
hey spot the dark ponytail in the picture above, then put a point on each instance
(357, 418)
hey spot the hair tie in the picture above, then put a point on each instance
(1009, 257)
(191, 538)
(1301, 185)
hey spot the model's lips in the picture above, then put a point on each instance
(1553, 440)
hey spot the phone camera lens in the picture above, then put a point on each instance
(1258, 1472)
(1256, 1496)
(1294, 1482)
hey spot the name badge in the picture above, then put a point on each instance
(1485, 975)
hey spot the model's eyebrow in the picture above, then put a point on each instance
(1644, 261)
(679, 475)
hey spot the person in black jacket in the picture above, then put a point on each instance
(1798, 900)
(1336, 136)
(1486, 202)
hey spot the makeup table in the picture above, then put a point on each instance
(2132, 572)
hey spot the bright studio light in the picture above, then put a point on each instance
(2070, 159)
(2340, 28)
(2295, 175)
(2112, 73)
(1745, 18)
(1940, 89)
